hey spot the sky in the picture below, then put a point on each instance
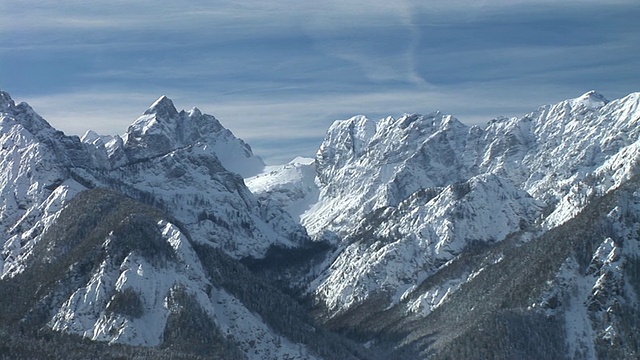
(278, 73)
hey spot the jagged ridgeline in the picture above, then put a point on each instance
(411, 238)
(105, 238)
(451, 240)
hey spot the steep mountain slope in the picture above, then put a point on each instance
(407, 199)
(397, 248)
(112, 269)
(168, 159)
(363, 166)
(563, 155)
(212, 202)
(154, 260)
(571, 293)
(559, 151)
(35, 177)
(180, 159)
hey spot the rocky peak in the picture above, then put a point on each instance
(591, 100)
(163, 108)
(6, 102)
(91, 137)
(24, 115)
(163, 129)
(347, 137)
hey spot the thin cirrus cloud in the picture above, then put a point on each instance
(278, 73)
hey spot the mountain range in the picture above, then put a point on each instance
(409, 238)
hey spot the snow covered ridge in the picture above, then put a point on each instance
(291, 186)
(173, 159)
(435, 228)
(544, 153)
(554, 161)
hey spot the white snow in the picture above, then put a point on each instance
(419, 236)
(176, 158)
(85, 311)
(437, 184)
(579, 330)
(562, 155)
(291, 186)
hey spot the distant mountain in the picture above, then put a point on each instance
(410, 238)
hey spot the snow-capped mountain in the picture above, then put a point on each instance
(429, 238)
(291, 186)
(363, 165)
(545, 153)
(162, 129)
(35, 179)
(399, 247)
(136, 239)
(167, 157)
(115, 270)
(569, 293)
(408, 197)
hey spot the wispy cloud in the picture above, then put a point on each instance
(277, 73)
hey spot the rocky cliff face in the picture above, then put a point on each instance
(162, 129)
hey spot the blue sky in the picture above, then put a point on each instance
(278, 73)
